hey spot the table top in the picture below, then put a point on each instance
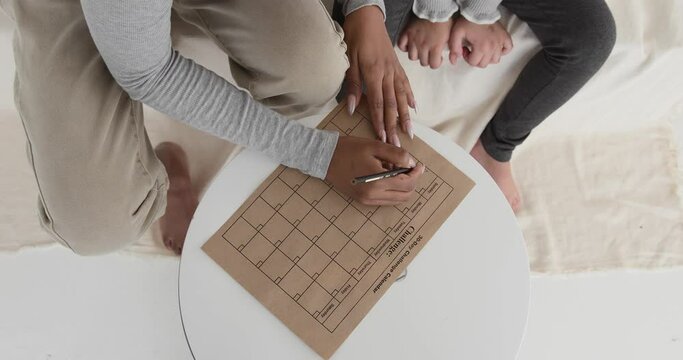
(465, 297)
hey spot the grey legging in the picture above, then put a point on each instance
(576, 36)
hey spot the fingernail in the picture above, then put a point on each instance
(395, 141)
(383, 136)
(409, 127)
(423, 170)
(415, 107)
(351, 104)
(411, 162)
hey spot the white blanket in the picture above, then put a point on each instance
(599, 178)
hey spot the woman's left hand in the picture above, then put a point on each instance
(373, 62)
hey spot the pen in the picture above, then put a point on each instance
(379, 176)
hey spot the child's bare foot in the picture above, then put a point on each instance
(501, 172)
(181, 201)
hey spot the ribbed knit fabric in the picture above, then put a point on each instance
(349, 6)
(476, 11)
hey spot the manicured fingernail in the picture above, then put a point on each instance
(351, 104)
(411, 162)
(383, 136)
(395, 140)
(409, 128)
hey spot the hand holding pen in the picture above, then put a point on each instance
(357, 157)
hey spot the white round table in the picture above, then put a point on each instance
(465, 297)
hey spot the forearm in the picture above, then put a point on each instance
(134, 40)
(349, 6)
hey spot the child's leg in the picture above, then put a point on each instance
(577, 37)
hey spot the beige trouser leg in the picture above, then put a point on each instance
(101, 186)
(100, 183)
(290, 55)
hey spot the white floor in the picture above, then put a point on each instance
(620, 315)
(57, 306)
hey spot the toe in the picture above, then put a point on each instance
(515, 203)
(178, 246)
(169, 244)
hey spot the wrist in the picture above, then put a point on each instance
(370, 12)
(486, 18)
(328, 153)
(463, 21)
(363, 21)
(364, 6)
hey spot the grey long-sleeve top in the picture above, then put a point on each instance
(134, 39)
(476, 11)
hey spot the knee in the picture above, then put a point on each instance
(101, 225)
(587, 46)
(100, 233)
(307, 75)
(316, 79)
(598, 39)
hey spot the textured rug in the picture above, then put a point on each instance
(599, 178)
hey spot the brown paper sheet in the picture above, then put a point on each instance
(318, 261)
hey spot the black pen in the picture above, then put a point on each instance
(378, 176)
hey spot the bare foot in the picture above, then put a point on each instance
(501, 172)
(181, 201)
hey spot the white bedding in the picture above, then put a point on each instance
(599, 177)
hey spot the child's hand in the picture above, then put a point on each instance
(425, 40)
(487, 43)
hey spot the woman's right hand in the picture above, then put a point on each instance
(354, 157)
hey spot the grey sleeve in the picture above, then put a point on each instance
(134, 40)
(435, 10)
(349, 6)
(480, 11)
(476, 11)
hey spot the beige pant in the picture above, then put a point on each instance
(101, 185)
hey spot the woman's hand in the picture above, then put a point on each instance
(354, 157)
(373, 62)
